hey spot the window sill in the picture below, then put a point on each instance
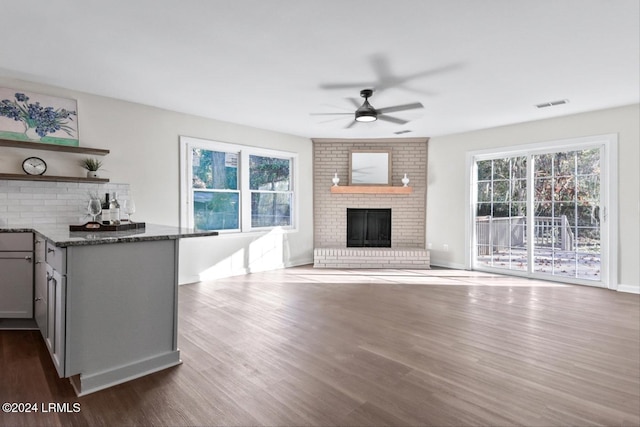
(254, 233)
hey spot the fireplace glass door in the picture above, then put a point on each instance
(369, 228)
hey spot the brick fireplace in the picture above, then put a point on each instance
(408, 218)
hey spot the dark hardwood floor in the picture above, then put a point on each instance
(335, 347)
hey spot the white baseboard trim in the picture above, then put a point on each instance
(188, 280)
(451, 265)
(632, 289)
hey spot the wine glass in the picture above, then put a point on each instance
(95, 207)
(129, 208)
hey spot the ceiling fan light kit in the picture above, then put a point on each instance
(366, 113)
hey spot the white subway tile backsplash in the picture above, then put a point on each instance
(24, 203)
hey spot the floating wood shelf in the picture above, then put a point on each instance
(51, 178)
(371, 189)
(53, 147)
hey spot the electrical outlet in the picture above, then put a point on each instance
(429, 245)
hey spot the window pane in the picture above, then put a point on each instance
(564, 163)
(216, 210)
(543, 165)
(483, 209)
(588, 215)
(564, 188)
(543, 189)
(519, 167)
(484, 191)
(214, 170)
(501, 169)
(484, 170)
(519, 209)
(501, 191)
(501, 210)
(565, 209)
(589, 188)
(543, 209)
(270, 209)
(519, 190)
(589, 162)
(269, 173)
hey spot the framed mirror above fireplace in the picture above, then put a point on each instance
(370, 167)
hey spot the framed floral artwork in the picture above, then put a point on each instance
(27, 116)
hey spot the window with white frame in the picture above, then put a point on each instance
(235, 188)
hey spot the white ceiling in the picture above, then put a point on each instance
(270, 63)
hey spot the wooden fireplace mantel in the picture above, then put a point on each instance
(370, 189)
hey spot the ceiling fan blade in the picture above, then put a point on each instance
(344, 85)
(432, 72)
(405, 107)
(331, 114)
(335, 119)
(380, 65)
(356, 102)
(392, 119)
(350, 125)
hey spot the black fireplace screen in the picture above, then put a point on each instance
(369, 228)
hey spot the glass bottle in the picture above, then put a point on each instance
(114, 209)
(106, 219)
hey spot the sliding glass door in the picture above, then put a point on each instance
(539, 212)
(567, 206)
(501, 213)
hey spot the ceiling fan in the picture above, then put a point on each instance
(367, 113)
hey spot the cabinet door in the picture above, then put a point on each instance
(16, 285)
(40, 271)
(56, 318)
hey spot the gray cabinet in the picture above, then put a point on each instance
(40, 279)
(16, 280)
(55, 320)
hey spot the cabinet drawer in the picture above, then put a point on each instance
(16, 242)
(55, 257)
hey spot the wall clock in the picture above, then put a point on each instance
(34, 166)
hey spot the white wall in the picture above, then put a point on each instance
(144, 144)
(446, 202)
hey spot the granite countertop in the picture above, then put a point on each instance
(60, 235)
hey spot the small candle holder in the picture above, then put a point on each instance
(405, 180)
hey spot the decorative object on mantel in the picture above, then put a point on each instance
(405, 180)
(95, 226)
(91, 165)
(335, 179)
(27, 116)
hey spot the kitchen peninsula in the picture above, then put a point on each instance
(106, 302)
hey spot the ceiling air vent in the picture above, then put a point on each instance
(552, 103)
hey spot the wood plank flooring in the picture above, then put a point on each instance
(359, 348)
